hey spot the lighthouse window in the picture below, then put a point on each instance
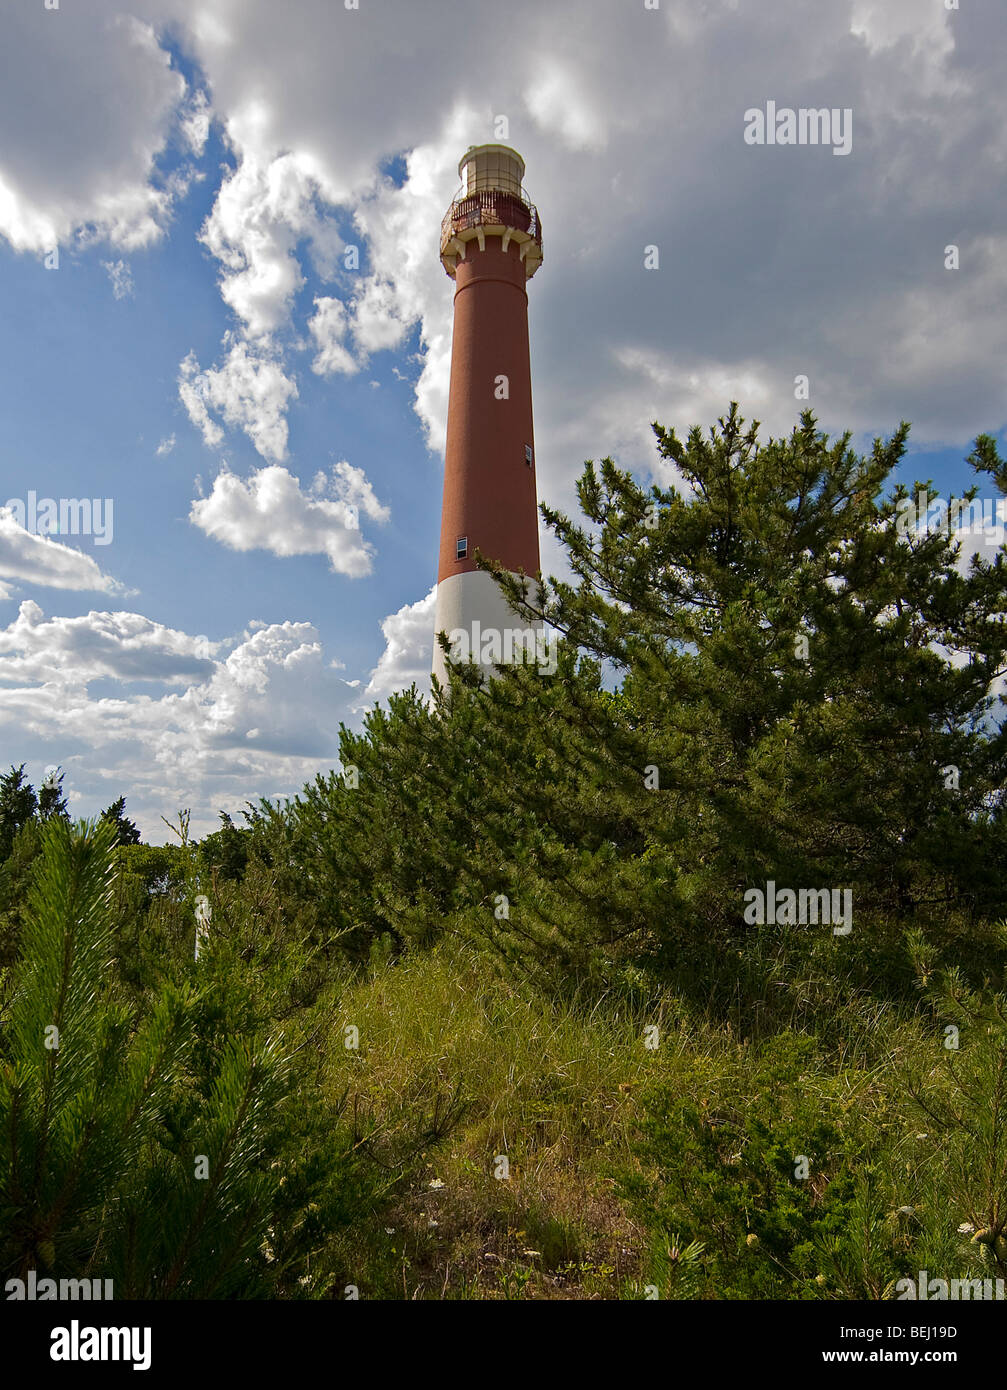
(461, 547)
(528, 455)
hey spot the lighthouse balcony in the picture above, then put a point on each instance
(491, 212)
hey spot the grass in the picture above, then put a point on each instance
(554, 1089)
(530, 1105)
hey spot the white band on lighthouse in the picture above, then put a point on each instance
(482, 627)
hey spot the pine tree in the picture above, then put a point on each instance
(51, 801)
(778, 645)
(120, 1155)
(126, 833)
(18, 804)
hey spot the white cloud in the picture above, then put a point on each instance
(274, 683)
(926, 29)
(559, 100)
(122, 646)
(328, 328)
(86, 106)
(408, 654)
(166, 445)
(264, 716)
(352, 487)
(402, 227)
(121, 277)
(263, 209)
(195, 122)
(249, 391)
(271, 512)
(377, 319)
(31, 559)
(380, 319)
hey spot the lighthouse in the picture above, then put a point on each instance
(491, 246)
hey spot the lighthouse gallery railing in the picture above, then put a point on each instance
(488, 208)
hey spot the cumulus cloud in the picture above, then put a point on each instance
(402, 227)
(328, 328)
(263, 209)
(120, 646)
(352, 486)
(86, 106)
(262, 717)
(380, 319)
(32, 559)
(166, 445)
(249, 391)
(408, 653)
(375, 320)
(270, 512)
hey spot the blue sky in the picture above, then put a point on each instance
(204, 357)
(97, 394)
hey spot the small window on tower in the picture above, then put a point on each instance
(528, 456)
(461, 547)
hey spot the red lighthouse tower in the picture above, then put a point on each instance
(491, 245)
